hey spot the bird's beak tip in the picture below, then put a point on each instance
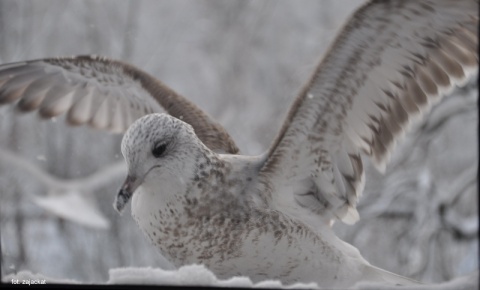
(121, 201)
(124, 194)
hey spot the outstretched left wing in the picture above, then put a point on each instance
(103, 93)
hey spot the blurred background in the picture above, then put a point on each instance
(243, 62)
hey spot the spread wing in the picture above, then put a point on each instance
(106, 94)
(390, 63)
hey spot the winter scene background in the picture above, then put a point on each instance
(243, 62)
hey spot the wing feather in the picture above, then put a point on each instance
(106, 94)
(391, 62)
(79, 113)
(14, 86)
(102, 112)
(58, 99)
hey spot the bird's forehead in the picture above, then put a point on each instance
(146, 130)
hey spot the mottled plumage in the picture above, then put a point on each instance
(197, 206)
(267, 216)
(103, 93)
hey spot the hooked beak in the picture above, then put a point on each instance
(125, 193)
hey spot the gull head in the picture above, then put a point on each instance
(155, 147)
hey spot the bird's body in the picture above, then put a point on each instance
(197, 206)
(208, 208)
(267, 217)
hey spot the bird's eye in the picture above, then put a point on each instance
(159, 149)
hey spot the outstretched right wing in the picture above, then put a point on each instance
(392, 60)
(106, 94)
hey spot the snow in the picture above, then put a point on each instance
(191, 275)
(198, 275)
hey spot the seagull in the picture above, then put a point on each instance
(269, 216)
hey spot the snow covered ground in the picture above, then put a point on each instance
(198, 275)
